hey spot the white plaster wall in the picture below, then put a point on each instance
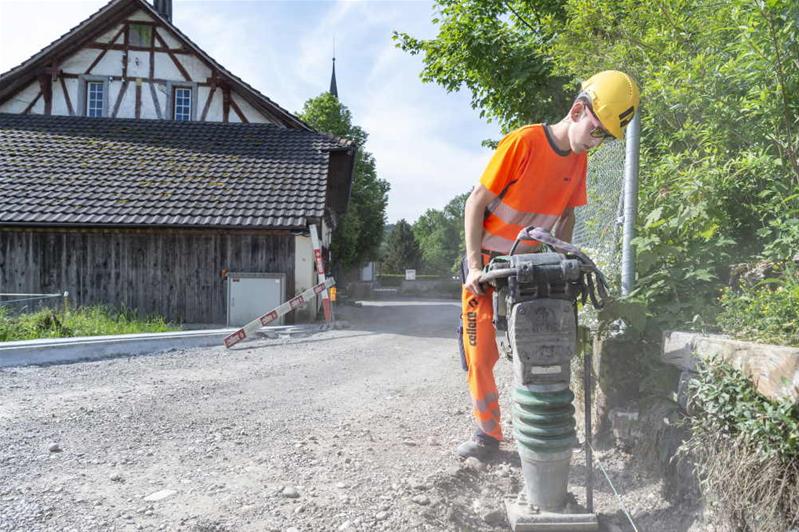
(20, 101)
(202, 95)
(215, 111)
(109, 65)
(168, 38)
(78, 62)
(72, 87)
(232, 117)
(197, 69)
(127, 108)
(165, 68)
(160, 93)
(38, 108)
(147, 106)
(139, 64)
(250, 112)
(113, 92)
(106, 37)
(59, 102)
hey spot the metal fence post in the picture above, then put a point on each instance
(633, 142)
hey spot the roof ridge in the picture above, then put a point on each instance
(129, 5)
(343, 142)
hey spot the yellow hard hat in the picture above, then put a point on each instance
(614, 99)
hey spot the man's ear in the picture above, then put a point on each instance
(576, 110)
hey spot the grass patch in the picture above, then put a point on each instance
(86, 321)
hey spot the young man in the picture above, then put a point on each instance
(536, 177)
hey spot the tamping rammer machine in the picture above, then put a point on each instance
(535, 305)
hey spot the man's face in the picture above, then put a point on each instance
(586, 131)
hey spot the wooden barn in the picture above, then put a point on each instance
(137, 172)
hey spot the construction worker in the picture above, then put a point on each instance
(535, 177)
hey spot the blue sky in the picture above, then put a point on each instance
(426, 142)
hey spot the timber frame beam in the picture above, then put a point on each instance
(46, 91)
(172, 56)
(106, 48)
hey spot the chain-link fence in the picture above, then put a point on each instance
(598, 229)
(17, 303)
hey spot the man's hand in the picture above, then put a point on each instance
(472, 283)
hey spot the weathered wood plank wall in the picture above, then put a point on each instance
(176, 274)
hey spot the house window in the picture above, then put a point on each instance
(140, 35)
(95, 97)
(182, 103)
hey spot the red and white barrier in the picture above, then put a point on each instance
(320, 270)
(297, 301)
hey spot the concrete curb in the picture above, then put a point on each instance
(774, 369)
(60, 350)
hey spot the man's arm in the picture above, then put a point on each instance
(565, 226)
(473, 215)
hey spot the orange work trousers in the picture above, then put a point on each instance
(480, 355)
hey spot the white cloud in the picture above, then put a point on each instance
(27, 27)
(410, 136)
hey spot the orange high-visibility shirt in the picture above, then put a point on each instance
(534, 182)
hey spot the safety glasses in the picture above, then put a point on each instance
(598, 132)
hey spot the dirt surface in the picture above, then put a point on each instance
(344, 430)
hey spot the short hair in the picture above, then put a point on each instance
(585, 98)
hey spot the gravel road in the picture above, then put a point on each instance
(343, 430)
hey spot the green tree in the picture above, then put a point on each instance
(719, 152)
(454, 211)
(720, 117)
(358, 235)
(402, 250)
(434, 234)
(440, 237)
(499, 52)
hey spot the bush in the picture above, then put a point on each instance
(745, 449)
(767, 311)
(86, 321)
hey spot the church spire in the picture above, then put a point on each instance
(333, 88)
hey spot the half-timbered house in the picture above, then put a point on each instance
(137, 172)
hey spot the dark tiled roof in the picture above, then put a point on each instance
(61, 170)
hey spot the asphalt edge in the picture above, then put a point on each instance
(45, 351)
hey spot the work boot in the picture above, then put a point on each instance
(480, 446)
